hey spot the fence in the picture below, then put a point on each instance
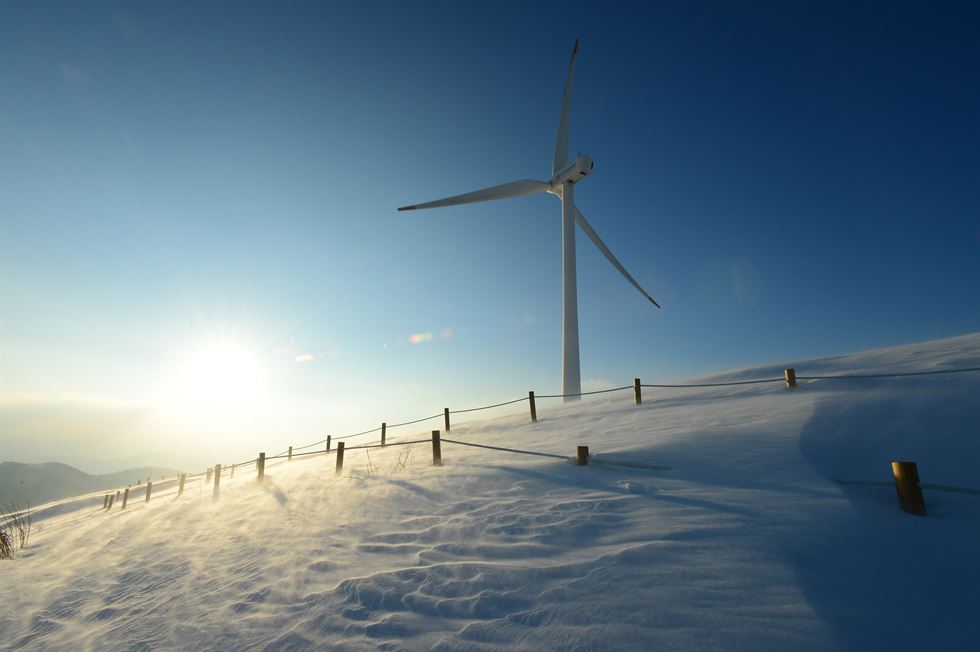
(582, 457)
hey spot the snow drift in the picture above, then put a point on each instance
(747, 541)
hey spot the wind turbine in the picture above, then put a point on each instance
(563, 177)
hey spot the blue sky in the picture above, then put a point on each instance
(789, 180)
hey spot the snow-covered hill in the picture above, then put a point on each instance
(746, 542)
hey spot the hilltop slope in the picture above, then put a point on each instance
(746, 542)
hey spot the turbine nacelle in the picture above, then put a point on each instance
(572, 173)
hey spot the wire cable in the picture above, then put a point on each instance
(487, 407)
(737, 382)
(955, 490)
(408, 423)
(922, 485)
(630, 465)
(501, 448)
(892, 375)
(598, 391)
(316, 443)
(389, 444)
(358, 434)
(309, 453)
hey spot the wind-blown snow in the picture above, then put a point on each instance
(747, 542)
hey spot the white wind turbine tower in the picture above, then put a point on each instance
(563, 178)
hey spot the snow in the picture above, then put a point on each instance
(745, 542)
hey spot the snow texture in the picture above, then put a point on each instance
(746, 542)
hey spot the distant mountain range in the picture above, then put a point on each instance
(41, 483)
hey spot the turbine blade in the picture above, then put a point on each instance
(589, 231)
(503, 191)
(561, 146)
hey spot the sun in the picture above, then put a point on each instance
(216, 387)
(223, 372)
(216, 379)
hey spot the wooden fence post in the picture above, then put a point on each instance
(233, 470)
(112, 499)
(208, 479)
(149, 486)
(445, 417)
(790, 375)
(217, 481)
(105, 501)
(436, 449)
(125, 498)
(384, 428)
(328, 443)
(637, 392)
(534, 410)
(260, 465)
(180, 486)
(340, 457)
(290, 458)
(581, 455)
(907, 485)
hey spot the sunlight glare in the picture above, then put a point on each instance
(224, 373)
(216, 390)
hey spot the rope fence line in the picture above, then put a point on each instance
(598, 391)
(302, 454)
(625, 387)
(922, 485)
(955, 490)
(503, 448)
(495, 405)
(736, 382)
(316, 443)
(892, 375)
(357, 434)
(866, 483)
(390, 443)
(837, 377)
(408, 423)
(581, 458)
(630, 465)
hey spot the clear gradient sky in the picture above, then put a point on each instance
(191, 187)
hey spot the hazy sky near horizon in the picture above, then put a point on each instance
(200, 250)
